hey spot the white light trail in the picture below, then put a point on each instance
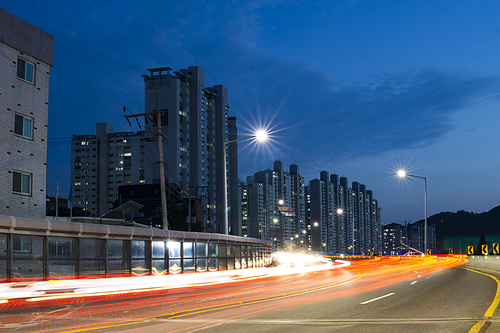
(60, 289)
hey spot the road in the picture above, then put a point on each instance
(379, 295)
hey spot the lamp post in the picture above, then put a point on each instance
(314, 237)
(259, 136)
(340, 211)
(275, 220)
(402, 174)
(304, 239)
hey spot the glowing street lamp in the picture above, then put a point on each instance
(259, 136)
(275, 219)
(340, 211)
(402, 174)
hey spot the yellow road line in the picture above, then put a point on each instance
(212, 308)
(493, 306)
(477, 327)
(102, 327)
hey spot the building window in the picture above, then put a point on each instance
(23, 126)
(21, 183)
(25, 70)
(21, 243)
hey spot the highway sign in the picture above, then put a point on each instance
(392, 253)
(450, 250)
(470, 249)
(484, 249)
(495, 248)
(429, 251)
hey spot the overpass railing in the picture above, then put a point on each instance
(34, 249)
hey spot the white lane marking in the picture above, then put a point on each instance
(376, 299)
(413, 283)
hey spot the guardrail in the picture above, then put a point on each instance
(489, 261)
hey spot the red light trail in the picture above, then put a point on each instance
(186, 299)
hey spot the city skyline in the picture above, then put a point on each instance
(355, 88)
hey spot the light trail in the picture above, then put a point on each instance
(213, 297)
(65, 289)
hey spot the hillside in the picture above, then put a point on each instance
(464, 223)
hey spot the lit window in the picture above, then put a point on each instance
(21, 183)
(25, 70)
(23, 126)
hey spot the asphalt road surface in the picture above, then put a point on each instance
(382, 295)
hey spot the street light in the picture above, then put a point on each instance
(402, 174)
(314, 237)
(340, 211)
(260, 135)
(275, 220)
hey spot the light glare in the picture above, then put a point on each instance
(402, 173)
(261, 135)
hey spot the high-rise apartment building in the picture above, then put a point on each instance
(409, 237)
(275, 206)
(235, 216)
(341, 212)
(343, 219)
(196, 127)
(103, 162)
(27, 55)
(394, 238)
(324, 213)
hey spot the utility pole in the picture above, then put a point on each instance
(158, 113)
(189, 212)
(57, 198)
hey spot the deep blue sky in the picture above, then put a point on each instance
(357, 88)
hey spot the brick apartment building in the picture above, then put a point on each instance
(27, 55)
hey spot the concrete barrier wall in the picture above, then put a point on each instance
(489, 262)
(33, 249)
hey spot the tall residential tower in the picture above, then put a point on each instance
(195, 126)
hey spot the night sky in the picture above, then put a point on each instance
(357, 88)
